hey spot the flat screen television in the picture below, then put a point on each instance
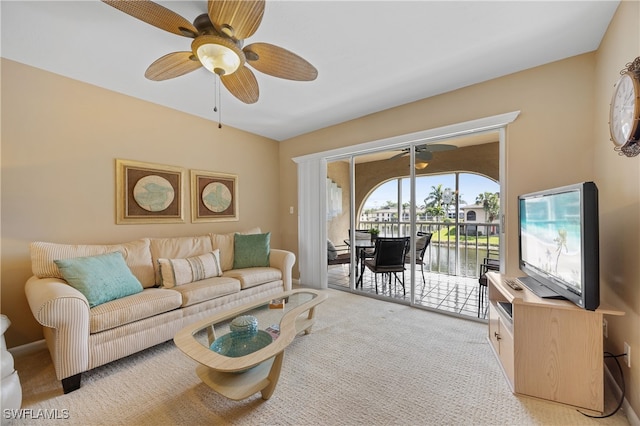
(559, 243)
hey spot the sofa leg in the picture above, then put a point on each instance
(71, 383)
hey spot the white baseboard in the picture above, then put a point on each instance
(28, 348)
(613, 385)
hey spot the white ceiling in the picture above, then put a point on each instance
(370, 55)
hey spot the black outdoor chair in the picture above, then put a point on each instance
(422, 242)
(486, 266)
(388, 258)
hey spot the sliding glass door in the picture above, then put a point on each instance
(449, 219)
(356, 220)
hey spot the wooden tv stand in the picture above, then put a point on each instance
(548, 349)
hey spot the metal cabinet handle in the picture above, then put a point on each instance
(497, 336)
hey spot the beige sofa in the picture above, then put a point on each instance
(80, 337)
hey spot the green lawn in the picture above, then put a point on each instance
(449, 234)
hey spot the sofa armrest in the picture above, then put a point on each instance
(65, 312)
(283, 260)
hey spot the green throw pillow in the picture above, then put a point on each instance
(251, 250)
(100, 278)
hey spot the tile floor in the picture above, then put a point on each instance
(457, 295)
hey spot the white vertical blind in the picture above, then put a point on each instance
(312, 222)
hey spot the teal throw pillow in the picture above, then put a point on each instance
(251, 250)
(100, 278)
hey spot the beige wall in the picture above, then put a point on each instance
(560, 137)
(338, 227)
(60, 139)
(618, 180)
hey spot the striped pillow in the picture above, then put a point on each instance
(183, 271)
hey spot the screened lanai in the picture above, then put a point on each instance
(450, 194)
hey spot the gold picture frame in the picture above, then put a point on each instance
(214, 196)
(148, 193)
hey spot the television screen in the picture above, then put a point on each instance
(551, 237)
(558, 231)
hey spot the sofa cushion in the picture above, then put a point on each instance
(136, 254)
(224, 242)
(207, 289)
(251, 277)
(150, 302)
(183, 271)
(177, 248)
(251, 250)
(100, 278)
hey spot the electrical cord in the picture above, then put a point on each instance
(615, 358)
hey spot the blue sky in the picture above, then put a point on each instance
(470, 186)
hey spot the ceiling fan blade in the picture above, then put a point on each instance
(237, 19)
(243, 85)
(279, 62)
(156, 15)
(402, 154)
(438, 147)
(172, 65)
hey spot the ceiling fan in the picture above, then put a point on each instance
(218, 45)
(424, 152)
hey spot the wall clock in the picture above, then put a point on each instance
(624, 113)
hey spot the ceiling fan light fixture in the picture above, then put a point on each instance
(421, 165)
(219, 55)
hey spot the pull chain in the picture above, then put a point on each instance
(217, 100)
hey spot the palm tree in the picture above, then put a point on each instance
(561, 241)
(436, 211)
(490, 202)
(434, 198)
(435, 202)
(405, 207)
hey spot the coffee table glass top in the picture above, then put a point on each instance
(243, 332)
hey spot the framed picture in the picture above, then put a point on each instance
(214, 196)
(148, 193)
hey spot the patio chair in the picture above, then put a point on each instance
(388, 258)
(338, 255)
(422, 242)
(363, 249)
(487, 265)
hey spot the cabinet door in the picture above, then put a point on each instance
(506, 351)
(494, 328)
(501, 338)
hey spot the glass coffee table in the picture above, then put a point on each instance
(236, 359)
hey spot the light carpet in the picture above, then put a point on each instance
(366, 362)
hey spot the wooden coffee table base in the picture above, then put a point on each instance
(261, 378)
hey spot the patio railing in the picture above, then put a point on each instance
(455, 249)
